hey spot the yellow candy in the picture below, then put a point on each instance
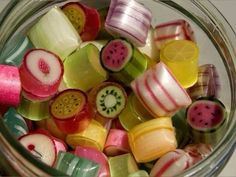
(152, 139)
(93, 136)
(181, 56)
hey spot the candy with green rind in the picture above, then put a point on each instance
(83, 69)
(75, 166)
(15, 122)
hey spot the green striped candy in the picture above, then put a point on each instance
(15, 50)
(15, 123)
(75, 166)
(135, 67)
(33, 110)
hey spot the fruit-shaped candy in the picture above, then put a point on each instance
(117, 143)
(159, 91)
(83, 69)
(129, 19)
(173, 30)
(10, 85)
(207, 119)
(75, 166)
(71, 111)
(55, 32)
(124, 61)
(108, 99)
(41, 73)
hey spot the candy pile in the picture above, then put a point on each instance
(100, 92)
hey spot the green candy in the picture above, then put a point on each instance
(140, 173)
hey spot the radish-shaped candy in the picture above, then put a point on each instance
(171, 164)
(208, 82)
(129, 19)
(160, 92)
(41, 73)
(71, 111)
(10, 85)
(41, 146)
(207, 119)
(123, 60)
(173, 30)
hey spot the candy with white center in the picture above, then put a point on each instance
(160, 92)
(10, 85)
(41, 146)
(55, 32)
(129, 19)
(117, 143)
(41, 73)
(75, 166)
(171, 164)
(96, 156)
(173, 30)
(15, 122)
(208, 83)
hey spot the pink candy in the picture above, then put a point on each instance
(10, 85)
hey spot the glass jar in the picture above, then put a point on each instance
(217, 42)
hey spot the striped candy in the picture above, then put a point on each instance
(208, 83)
(160, 92)
(173, 30)
(129, 19)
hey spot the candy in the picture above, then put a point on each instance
(55, 32)
(71, 111)
(207, 84)
(75, 166)
(152, 139)
(96, 156)
(159, 92)
(116, 143)
(15, 122)
(93, 136)
(181, 56)
(173, 30)
(134, 113)
(139, 173)
(122, 165)
(41, 73)
(98, 43)
(171, 164)
(129, 19)
(41, 146)
(83, 69)
(10, 85)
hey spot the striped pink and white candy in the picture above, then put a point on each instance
(129, 19)
(10, 89)
(160, 92)
(173, 30)
(171, 164)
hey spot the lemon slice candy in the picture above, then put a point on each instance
(181, 56)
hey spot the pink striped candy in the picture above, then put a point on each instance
(10, 85)
(173, 30)
(160, 92)
(171, 164)
(129, 19)
(208, 83)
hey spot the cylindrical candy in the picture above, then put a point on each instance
(117, 143)
(10, 85)
(83, 69)
(75, 166)
(96, 156)
(129, 19)
(93, 136)
(15, 122)
(134, 113)
(159, 91)
(173, 30)
(152, 139)
(122, 165)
